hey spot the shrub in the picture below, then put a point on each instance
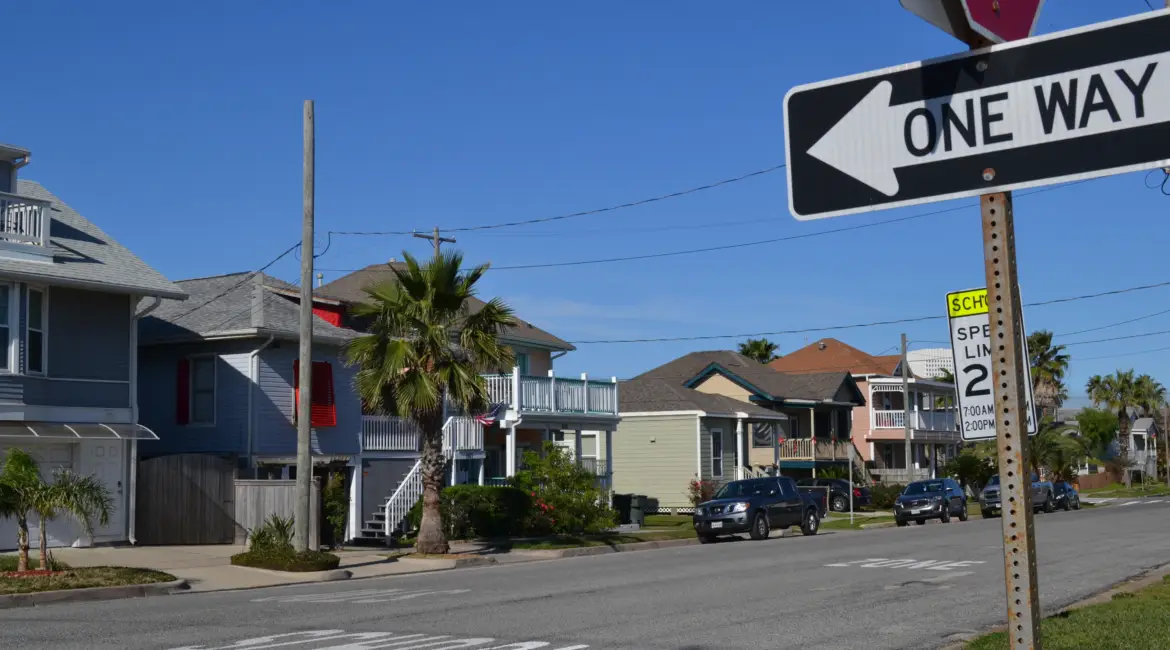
(700, 491)
(565, 496)
(471, 511)
(275, 535)
(288, 560)
(884, 495)
(335, 505)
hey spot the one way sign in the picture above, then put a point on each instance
(1078, 104)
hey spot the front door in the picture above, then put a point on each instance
(105, 460)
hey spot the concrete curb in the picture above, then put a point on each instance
(1128, 586)
(880, 524)
(587, 551)
(303, 576)
(441, 565)
(38, 598)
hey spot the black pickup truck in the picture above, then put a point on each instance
(756, 506)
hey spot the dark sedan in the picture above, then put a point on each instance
(839, 492)
(1065, 496)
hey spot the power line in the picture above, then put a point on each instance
(1124, 322)
(919, 319)
(1123, 354)
(584, 213)
(237, 285)
(1118, 338)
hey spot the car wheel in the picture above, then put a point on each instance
(987, 514)
(945, 517)
(759, 527)
(1067, 506)
(963, 512)
(706, 539)
(920, 521)
(1077, 505)
(901, 522)
(811, 523)
(839, 504)
(1048, 507)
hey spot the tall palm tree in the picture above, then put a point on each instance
(761, 350)
(1049, 364)
(1117, 392)
(21, 480)
(85, 498)
(424, 341)
(1151, 396)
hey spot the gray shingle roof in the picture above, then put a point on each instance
(351, 288)
(238, 303)
(779, 385)
(85, 256)
(651, 394)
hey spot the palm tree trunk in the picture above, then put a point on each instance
(22, 542)
(43, 546)
(1123, 443)
(431, 536)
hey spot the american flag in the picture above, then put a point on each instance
(489, 418)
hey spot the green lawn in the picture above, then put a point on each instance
(1139, 621)
(841, 522)
(603, 540)
(81, 578)
(667, 521)
(1119, 491)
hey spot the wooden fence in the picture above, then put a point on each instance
(257, 500)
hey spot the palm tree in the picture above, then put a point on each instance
(1117, 392)
(1151, 396)
(1049, 364)
(84, 497)
(424, 341)
(761, 350)
(21, 480)
(945, 376)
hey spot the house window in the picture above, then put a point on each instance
(5, 325)
(203, 390)
(716, 453)
(37, 307)
(522, 362)
(322, 410)
(762, 433)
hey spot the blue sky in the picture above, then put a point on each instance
(177, 127)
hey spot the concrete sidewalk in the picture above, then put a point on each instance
(209, 568)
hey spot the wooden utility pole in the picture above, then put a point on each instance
(906, 408)
(439, 241)
(305, 364)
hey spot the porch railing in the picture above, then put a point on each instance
(24, 219)
(814, 449)
(463, 433)
(389, 433)
(924, 420)
(551, 394)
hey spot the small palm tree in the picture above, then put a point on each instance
(1151, 396)
(761, 350)
(85, 498)
(22, 484)
(1049, 364)
(945, 376)
(1117, 392)
(424, 341)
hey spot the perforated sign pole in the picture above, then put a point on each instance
(1008, 367)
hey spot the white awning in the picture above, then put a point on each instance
(75, 431)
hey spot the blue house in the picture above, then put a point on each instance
(219, 375)
(69, 304)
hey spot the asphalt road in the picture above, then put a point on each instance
(891, 588)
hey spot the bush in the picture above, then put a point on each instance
(565, 497)
(335, 505)
(275, 535)
(701, 491)
(471, 511)
(884, 495)
(289, 560)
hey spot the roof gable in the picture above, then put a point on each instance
(832, 355)
(764, 382)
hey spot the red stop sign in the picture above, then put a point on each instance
(1000, 21)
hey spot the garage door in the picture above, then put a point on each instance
(62, 532)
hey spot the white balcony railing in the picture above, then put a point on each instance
(389, 433)
(553, 394)
(924, 420)
(463, 433)
(24, 220)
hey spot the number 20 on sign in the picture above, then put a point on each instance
(971, 346)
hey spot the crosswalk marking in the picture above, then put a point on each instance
(375, 640)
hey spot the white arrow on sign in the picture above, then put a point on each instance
(874, 138)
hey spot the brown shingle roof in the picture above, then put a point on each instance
(650, 394)
(351, 289)
(831, 355)
(778, 385)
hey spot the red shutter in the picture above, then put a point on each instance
(183, 392)
(323, 410)
(330, 314)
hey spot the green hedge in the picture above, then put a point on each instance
(283, 560)
(474, 511)
(884, 495)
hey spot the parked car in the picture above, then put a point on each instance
(940, 499)
(838, 492)
(756, 506)
(1043, 497)
(1065, 496)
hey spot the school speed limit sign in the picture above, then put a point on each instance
(971, 347)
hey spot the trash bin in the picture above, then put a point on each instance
(637, 509)
(621, 505)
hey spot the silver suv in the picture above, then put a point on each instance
(1042, 496)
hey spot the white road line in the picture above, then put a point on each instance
(1155, 501)
(373, 640)
(1127, 503)
(907, 563)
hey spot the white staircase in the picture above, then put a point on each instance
(459, 432)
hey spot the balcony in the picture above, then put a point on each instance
(553, 395)
(920, 420)
(392, 433)
(810, 449)
(24, 220)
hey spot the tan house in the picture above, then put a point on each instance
(759, 416)
(879, 424)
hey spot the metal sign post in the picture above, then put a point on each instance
(1009, 365)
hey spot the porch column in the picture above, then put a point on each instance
(355, 501)
(609, 461)
(482, 462)
(454, 469)
(577, 448)
(510, 452)
(933, 460)
(130, 523)
(739, 449)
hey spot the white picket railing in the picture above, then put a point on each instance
(24, 219)
(389, 433)
(462, 433)
(553, 394)
(924, 420)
